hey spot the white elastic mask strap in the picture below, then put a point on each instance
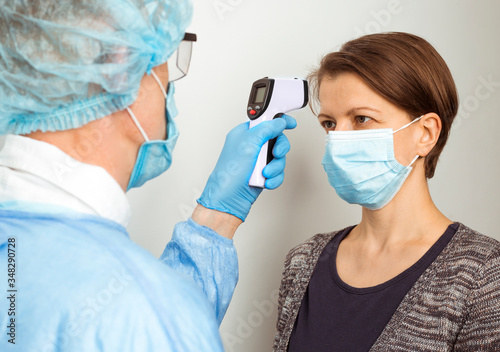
(159, 83)
(408, 124)
(132, 115)
(415, 159)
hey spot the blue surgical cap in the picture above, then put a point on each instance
(66, 63)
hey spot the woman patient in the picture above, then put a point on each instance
(406, 278)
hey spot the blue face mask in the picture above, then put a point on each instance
(155, 157)
(362, 168)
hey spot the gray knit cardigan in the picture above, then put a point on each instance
(453, 306)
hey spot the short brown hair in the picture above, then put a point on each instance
(404, 69)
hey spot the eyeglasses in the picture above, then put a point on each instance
(178, 63)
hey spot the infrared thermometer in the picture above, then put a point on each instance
(270, 98)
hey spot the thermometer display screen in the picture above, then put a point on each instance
(259, 95)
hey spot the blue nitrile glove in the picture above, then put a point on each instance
(227, 188)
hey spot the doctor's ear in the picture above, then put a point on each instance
(430, 125)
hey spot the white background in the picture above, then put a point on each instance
(240, 41)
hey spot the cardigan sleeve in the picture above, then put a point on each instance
(286, 281)
(481, 329)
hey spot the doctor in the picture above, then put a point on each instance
(88, 112)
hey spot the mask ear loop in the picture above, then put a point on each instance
(132, 115)
(134, 118)
(415, 159)
(159, 83)
(408, 124)
(157, 79)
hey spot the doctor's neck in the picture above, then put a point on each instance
(110, 142)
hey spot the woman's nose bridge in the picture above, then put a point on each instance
(344, 124)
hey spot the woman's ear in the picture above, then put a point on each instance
(430, 125)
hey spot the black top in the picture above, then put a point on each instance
(337, 317)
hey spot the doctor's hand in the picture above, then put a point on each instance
(227, 188)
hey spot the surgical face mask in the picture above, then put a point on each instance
(362, 168)
(155, 157)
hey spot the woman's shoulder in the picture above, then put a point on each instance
(474, 243)
(474, 253)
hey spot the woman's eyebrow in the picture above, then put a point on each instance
(350, 112)
(325, 115)
(353, 110)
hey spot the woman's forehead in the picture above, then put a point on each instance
(348, 91)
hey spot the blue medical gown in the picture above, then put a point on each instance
(83, 285)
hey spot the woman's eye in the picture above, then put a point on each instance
(363, 119)
(328, 125)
